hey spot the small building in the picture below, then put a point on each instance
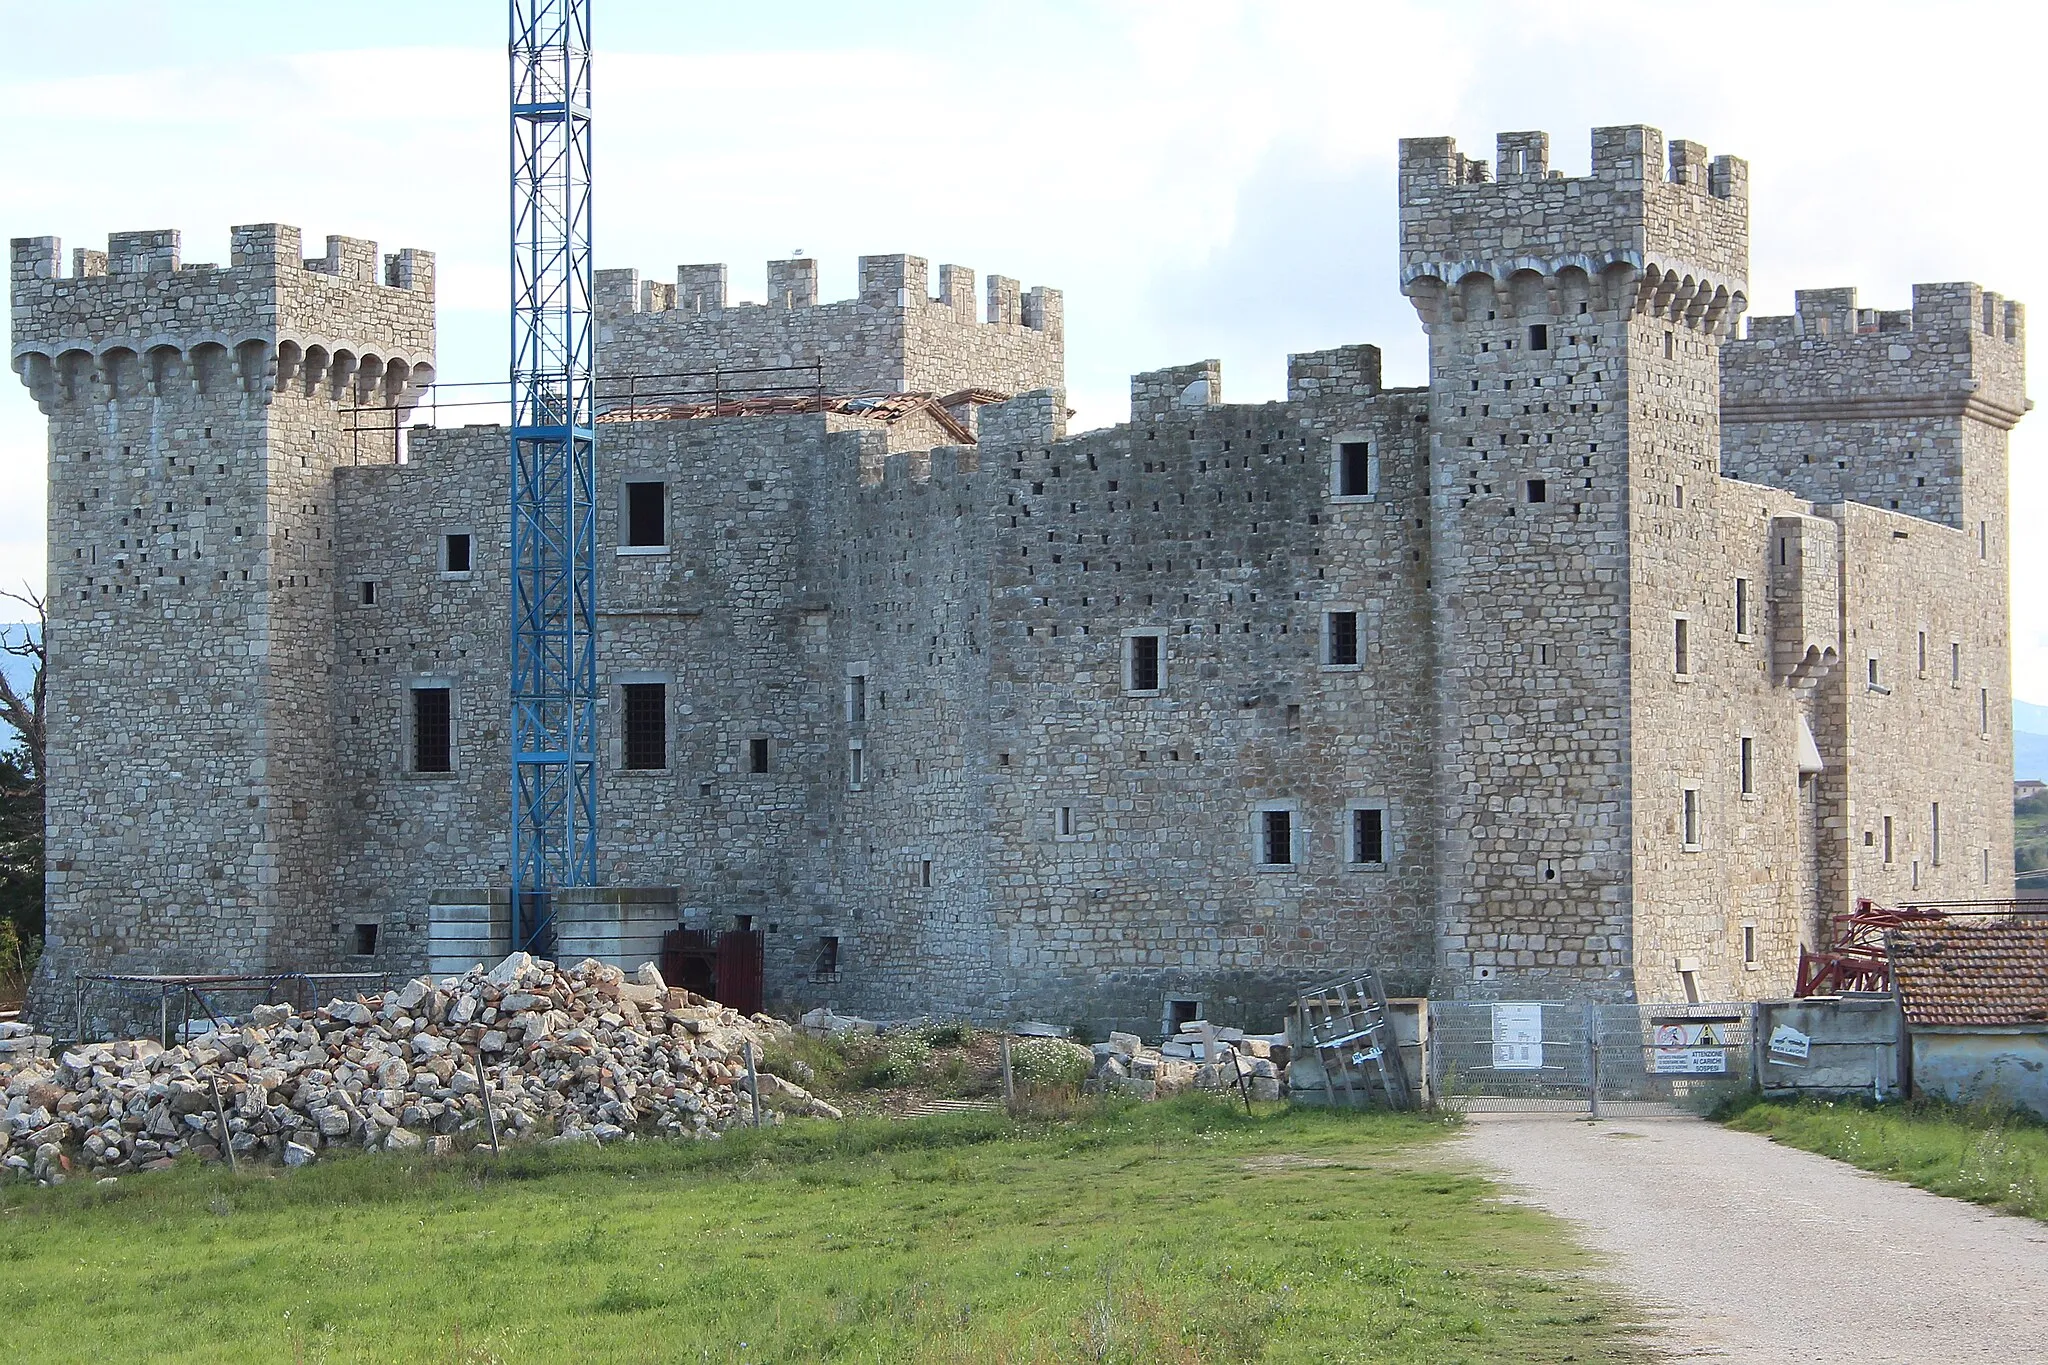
(1975, 999)
(2027, 788)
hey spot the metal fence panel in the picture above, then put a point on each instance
(1554, 1056)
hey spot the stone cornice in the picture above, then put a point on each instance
(1837, 408)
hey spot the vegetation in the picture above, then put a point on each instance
(898, 1069)
(1182, 1231)
(21, 800)
(2030, 834)
(1981, 1152)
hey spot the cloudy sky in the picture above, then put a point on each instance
(1202, 178)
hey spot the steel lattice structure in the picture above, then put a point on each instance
(553, 467)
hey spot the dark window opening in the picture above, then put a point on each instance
(857, 699)
(1539, 490)
(757, 755)
(1182, 1012)
(1354, 469)
(1748, 766)
(924, 873)
(1368, 836)
(646, 514)
(1749, 945)
(431, 731)
(366, 940)
(369, 594)
(1681, 647)
(1343, 637)
(1742, 606)
(1144, 663)
(646, 725)
(828, 955)
(455, 553)
(1539, 336)
(1278, 842)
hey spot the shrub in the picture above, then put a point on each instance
(889, 1059)
(1047, 1063)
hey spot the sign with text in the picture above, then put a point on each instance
(1789, 1047)
(1518, 1037)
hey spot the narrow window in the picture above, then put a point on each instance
(646, 725)
(1748, 766)
(856, 765)
(1537, 490)
(1934, 834)
(1887, 840)
(1539, 336)
(857, 699)
(366, 940)
(1277, 841)
(1742, 606)
(455, 552)
(1141, 663)
(1369, 835)
(646, 514)
(1983, 710)
(1678, 495)
(1670, 346)
(1681, 644)
(1983, 540)
(1870, 668)
(828, 955)
(924, 873)
(1065, 824)
(757, 755)
(1749, 945)
(1354, 469)
(1692, 817)
(431, 733)
(1955, 664)
(1341, 634)
(1923, 653)
(369, 593)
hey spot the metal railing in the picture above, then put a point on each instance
(298, 989)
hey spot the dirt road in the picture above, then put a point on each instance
(1748, 1251)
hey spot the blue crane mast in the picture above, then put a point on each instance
(553, 468)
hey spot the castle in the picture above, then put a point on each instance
(1606, 666)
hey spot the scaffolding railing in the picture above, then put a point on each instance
(301, 990)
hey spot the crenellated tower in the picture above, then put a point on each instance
(196, 416)
(1575, 326)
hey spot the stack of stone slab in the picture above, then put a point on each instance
(541, 1051)
(1200, 1056)
(19, 1043)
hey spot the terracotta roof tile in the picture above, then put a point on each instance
(1957, 973)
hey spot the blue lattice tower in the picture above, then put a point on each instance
(553, 467)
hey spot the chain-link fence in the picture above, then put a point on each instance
(1538, 1056)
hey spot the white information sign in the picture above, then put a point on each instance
(1690, 1050)
(1789, 1046)
(1518, 1037)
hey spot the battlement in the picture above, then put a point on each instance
(1646, 206)
(1953, 309)
(896, 282)
(135, 316)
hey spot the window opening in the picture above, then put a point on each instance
(1538, 490)
(828, 955)
(1692, 817)
(757, 755)
(1955, 664)
(1066, 822)
(1143, 663)
(1354, 469)
(1277, 838)
(366, 940)
(1368, 835)
(1870, 669)
(924, 873)
(857, 699)
(455, 553)
(646, 514)
(369, 593)
(856, 764)
(431, 730)
(1670, 345)
(1748, 766)
(1742, 606)
(1887, 840)
(646, 725)
(1341, 631)
(1539, 336)
(1749, 945)
(1681, 642)
(1923, 653)
(1934, 834)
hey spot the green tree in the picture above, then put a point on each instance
(21, 796)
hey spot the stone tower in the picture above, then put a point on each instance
(1574, 327)
(196, 416)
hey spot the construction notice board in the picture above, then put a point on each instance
(1690, 1050)
(1518, 1037)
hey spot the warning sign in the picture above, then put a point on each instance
(1789, 1047)
(1689, 1061)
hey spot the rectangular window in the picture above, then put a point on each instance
(1064, 823)
(1536, 490)
(1934, 835)
(1749, 945)
(1983, 710)
(1955, 665)
(369, 593)
(455, 552)
(1870, 671)
(924, 873)
(1670, 345)
(1141, 663)
(857, 699)
(1681, 646)
(1340, 636)
(828, 955)
(1983, 540)
(646, 514)
(1539, 336)
(646, 725)
(1354, 469)
(432, 733)
(366, 940)
(1748, 766)
(1887, 840)
(1276, 838)
(1369, 836)
(1691, 813)
(757, 755)
(856, 765)
(1742, 606)
(1923, 654)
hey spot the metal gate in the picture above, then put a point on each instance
(1550, 1056)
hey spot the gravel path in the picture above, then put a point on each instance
(1750, 1251)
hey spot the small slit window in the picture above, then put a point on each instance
(1681, 647)
(1742, 606)
(856, 765)
(1689, 816)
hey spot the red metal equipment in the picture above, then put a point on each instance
(1857, 960)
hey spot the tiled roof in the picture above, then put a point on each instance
(1960, 973)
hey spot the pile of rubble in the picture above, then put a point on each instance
(533, 1049)
(1199, 1057)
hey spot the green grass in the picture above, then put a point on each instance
(1183, 1231)
(1978, 1153)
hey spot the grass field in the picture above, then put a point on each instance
(1974, 1153)
(1183, 1231)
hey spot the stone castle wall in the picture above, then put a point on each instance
(971, 806)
